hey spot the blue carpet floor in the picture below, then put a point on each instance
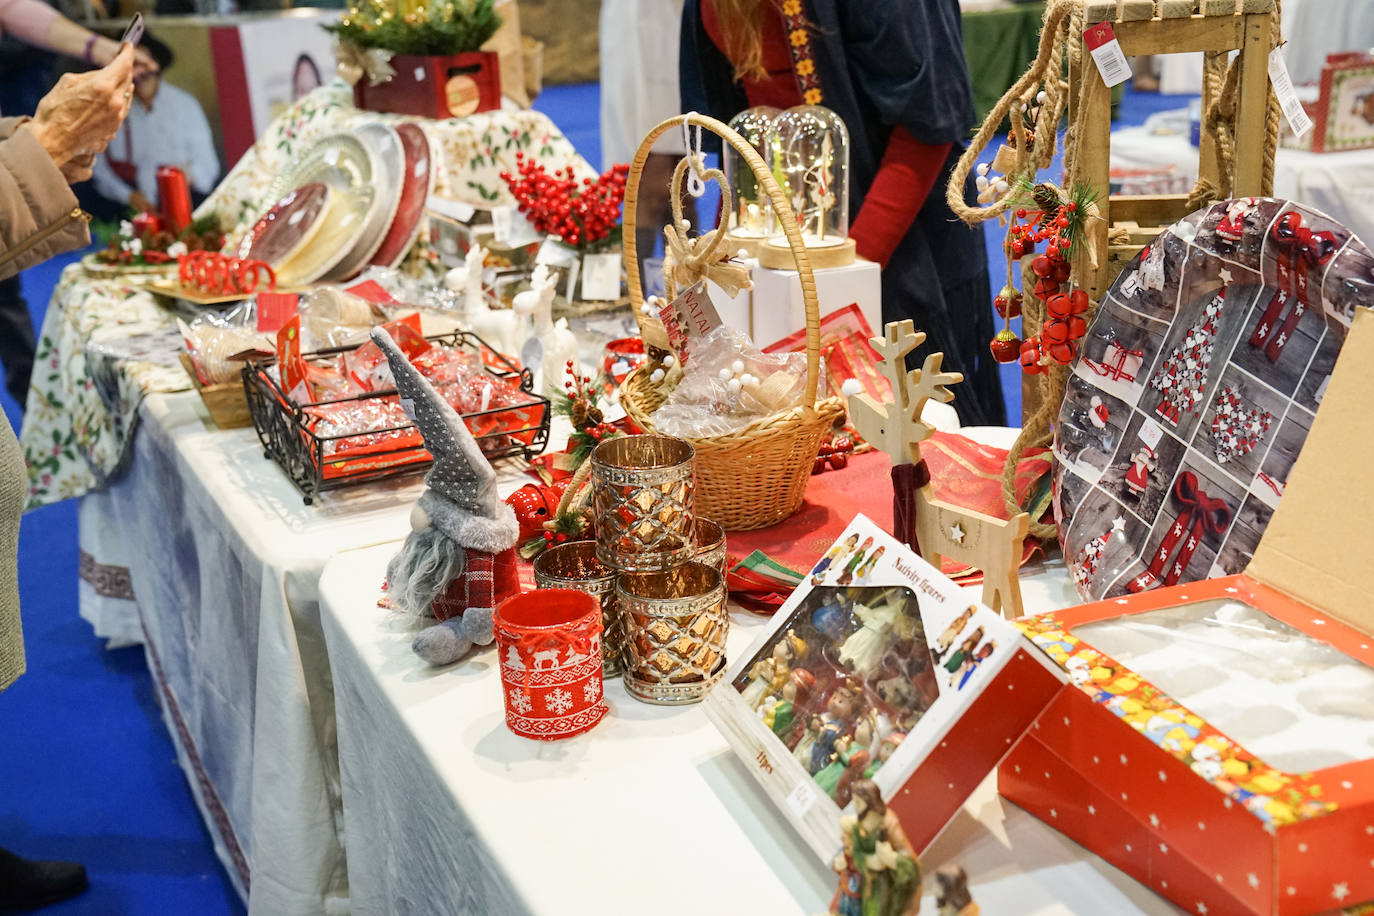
(87, 771)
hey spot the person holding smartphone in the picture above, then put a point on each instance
(39, 218)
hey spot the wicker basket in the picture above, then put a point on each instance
(756, 476)
(226, 402)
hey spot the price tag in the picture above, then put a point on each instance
(275, 310)
(453, 209)
(1150, 434)
(801, 798)
(1107, 53)
(372, 291)
(512, 229)
(601, 277)
(555, 254)
(689, 317)
(1293, 112)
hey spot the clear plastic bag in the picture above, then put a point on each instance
(213, 337)
(729, 384)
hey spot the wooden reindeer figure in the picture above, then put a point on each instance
(932, 527)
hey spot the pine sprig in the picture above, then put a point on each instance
(439, 28)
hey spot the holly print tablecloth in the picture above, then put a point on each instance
(105, 343)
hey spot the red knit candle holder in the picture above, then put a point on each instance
(549, 645)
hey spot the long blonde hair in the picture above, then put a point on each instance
(741, 29)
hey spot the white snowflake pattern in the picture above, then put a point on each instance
(558, 701)
(520, 701)
(591, 691)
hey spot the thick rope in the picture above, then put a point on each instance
(703, 257)
(1057, 13)
(1271, 127)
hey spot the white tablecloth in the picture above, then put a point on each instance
(1339, 184)
(224, 560)
(650, 812)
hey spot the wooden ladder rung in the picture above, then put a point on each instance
(1133, 10)
(1176, 9)
(1095, 11)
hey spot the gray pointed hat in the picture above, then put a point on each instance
(461, 474)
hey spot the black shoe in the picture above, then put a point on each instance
(28, 885)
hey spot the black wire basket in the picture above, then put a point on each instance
(287, 429)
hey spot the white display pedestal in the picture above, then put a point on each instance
(774, 307)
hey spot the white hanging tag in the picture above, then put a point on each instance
(1293, 112)
(601, 277)
(555, 254)
(696, 185)
(1107, 53)
(512, 229)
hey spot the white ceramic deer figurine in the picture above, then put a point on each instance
(559, 345)
(498, 327)
(933, 528)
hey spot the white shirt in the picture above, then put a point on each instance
(639, 85)
(173, 132)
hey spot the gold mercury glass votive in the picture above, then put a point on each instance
(642, 493)
(574, 565)
(710, 544)
(677, 626)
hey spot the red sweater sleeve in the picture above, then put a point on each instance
(905, 178)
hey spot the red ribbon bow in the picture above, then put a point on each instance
(1300, 250)
(1201, 515)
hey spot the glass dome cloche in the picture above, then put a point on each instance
(808, 151)
(751, 219)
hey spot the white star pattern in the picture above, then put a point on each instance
(1201, 825)
(1154, 820)
(956, 534)
(1369, 830)
(1066, 722)
(1253, 879)
(1302, 847)
(1220, 880)
(1118, 524)
(1095, 760)
(1123, 760)
(1292, 891)
(1054, 813)
(1164, 848)
(1201, 908)
(1163, 776)
(1092, 810)
(1017, 767)
(1347, 784)
(520, 701)
(558, 701)
(591, 691)
(1340, 891)
(1047, 775)
(1225, 276)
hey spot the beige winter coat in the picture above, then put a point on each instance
(39, 218)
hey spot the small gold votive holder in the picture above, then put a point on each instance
(710, 544)
(642, 493)
(574, 565)
(677, 625)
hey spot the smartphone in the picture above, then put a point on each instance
(134, 33)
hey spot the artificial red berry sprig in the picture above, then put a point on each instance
(583, 214)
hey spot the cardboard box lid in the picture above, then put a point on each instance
(1319, 542)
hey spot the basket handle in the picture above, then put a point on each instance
(650, 328)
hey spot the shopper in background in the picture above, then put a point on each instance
(894, 71)
(39, 218)
(639, 89)
(166, 126)
(35, 23)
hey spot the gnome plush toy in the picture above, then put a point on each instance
(458, 562)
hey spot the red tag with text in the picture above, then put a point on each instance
(275, 310)
(372, 291)
(1111, 62)
(691, 316)
(291, 364)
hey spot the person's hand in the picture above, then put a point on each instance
(78, 118)
(107, 49)
(138, 201)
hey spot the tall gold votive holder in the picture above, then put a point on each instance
(642, 493)
(677, 628)
(574, 565)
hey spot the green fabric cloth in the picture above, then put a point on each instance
(999, 46)
(781, 718)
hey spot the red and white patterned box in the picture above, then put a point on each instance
(1180, 794)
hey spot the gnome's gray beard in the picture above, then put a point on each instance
(429, 560)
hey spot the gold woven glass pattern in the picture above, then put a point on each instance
(643, 491)
(678, 624)
(710, 544)
(574, 565)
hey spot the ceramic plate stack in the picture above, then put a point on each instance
(335, 237)
(417, 183)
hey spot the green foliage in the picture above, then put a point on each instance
(440, 27)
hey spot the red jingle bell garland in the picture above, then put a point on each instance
(1046, 218)
(584, 215)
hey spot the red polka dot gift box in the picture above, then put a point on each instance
(1215, 740)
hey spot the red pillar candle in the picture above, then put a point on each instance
(174, 197)
(145, 224)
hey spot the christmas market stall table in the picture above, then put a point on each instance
(449, 812)
(223, 558)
